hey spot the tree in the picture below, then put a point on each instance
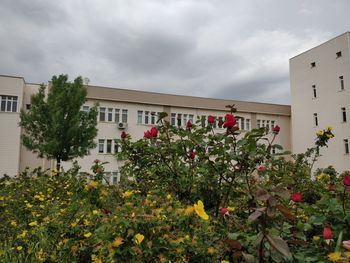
(55, 127)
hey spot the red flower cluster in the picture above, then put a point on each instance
(152, 133)
(346, 180)
(276, 129)
(123, 135)
(261, 168)
(192, 155)
(224, 211)
(211, 119)
(230, 121)
(327, 233)
(188, 125)
(296, 197)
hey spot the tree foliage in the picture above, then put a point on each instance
(55, 127)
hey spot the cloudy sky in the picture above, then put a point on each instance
(233, 49)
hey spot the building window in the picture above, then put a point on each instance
(184, 119)
(338, 54)
(116, 115)
(191, 118)
(315, 119)
(109, 146)
(125, 116)
(102, 114)
(343, 113)
(247, 124)
(341, 79)
(313, 64)
(28, 107)
(272, 125)
(268, 124)
(173, 119)
(179, 118)
(241, 123)
(85, 108)
(139, 116)
(314, 92)
(258, 124)
(110, 114)
(8, 103)
(153, 117)
(263, 123)
(116, 147)
(346, 146)
(146, 117)
(101, 146)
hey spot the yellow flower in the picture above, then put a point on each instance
(335, 256)
(126, 194)
(92, 184)
(34, 223)
(329, 136)
(187, 237)
(13, 223)
(320, 133)
(95, 259)
(231, 209)
(19, 248)
(316, 238)
(139, 238)
(23, 234)
(117, 242)
(29, 205)
(88, 234)
(329, 128)
(86, 222)
(73, 224)
(211, 250)
(46, 219)
(225, 261)
(189, 210)
(94, 212)
(199, 208)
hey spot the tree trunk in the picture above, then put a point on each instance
(58, 164)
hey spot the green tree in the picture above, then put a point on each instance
(55, 127)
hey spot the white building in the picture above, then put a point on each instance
(124, 110)
(320, 89)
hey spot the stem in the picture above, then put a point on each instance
(344, 194)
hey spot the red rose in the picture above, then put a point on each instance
(296, 197)
(327, 233)
(346, 180)
(192, 155)
(211, 119)
(276, 129)
(123, 135)
(223, 211)
(188, 125)
(154, 132)
(230, 121)
(147, 134)
(261, 168)
(331, 188)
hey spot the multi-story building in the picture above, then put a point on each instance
(124, 110)
(320, 90)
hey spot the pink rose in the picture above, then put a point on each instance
(154, 132)
(327, 233)
(296, 197)
(261, 168)
(276, 129)
(346, 180)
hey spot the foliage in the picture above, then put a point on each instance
(196, 196)
(56, 128)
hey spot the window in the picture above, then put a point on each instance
(242, 123)
(101, 146)
(338, 54)
(102, 114)
(268, 124)
(8, 103)
(116, 147)
(313, 64)
(116, 115)
(258, 124)
(153, 117)
(314, 92)
(184, 119)
(179, 116)
(110, 114)
(341, 79)
(139, 116)
(109, 146)
(272, 124)
(173, 119)
(84, 108)
(191, 117)
(263, 123)
(343, 113)
(346, 146)
(146, 117)
(125, 116)
(315, 119)
(247, 124)
(28, 107)
(115, 176)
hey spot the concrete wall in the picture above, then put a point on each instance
(328, 102)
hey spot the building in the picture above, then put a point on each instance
(124, 110)
(320, 90)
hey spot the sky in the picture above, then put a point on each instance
(228, 49)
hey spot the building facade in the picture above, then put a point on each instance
(125, 110)
(320, 91)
